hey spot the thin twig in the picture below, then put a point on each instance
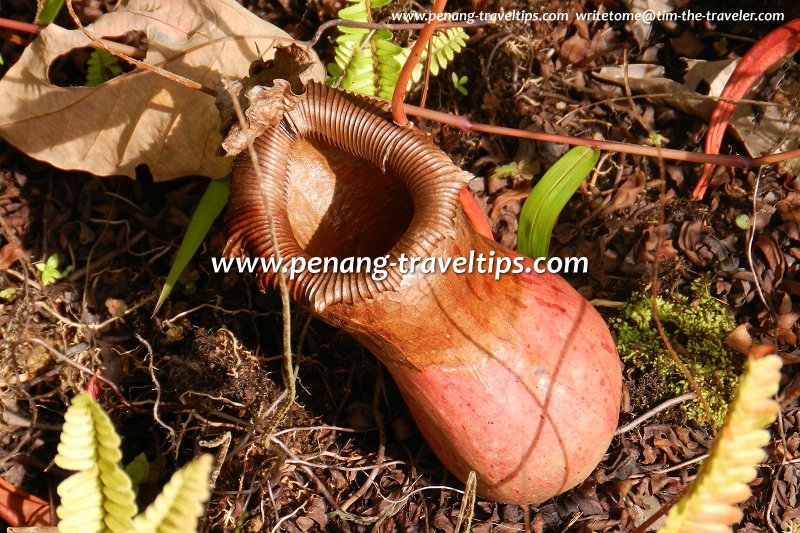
(775, 158)
(654, 299)
(135, 62)
(106, 259)
(218, 309)
(325, 26)
(690, 97)
(645, 526)
(285, 518)
(27, 27)
(684, 464)
(18, 25)
(157, 403)
(288, 369)
(467, 510)
(463, 123)
(379, 464)
(425, 83)
(654, 411)
(751, 238)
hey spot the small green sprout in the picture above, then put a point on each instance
(524, 169)
(50, 272)
(188, 280)
(656, 139)
(460, 83)
(743, 221)
(549, 196)
(138, 470)
(722, 47)
(8, 294)
(790, 167)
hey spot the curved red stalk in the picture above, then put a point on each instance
(398, 113)
(475, 214)
(770, 49)
(468, 204)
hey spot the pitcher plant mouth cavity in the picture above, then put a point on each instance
(342, 180)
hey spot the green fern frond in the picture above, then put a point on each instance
(99, 497)
(369, 63)
(101, 67)
(181, 502)
(723, 480)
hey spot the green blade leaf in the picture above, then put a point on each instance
(50, 11)
(209, 208)
(548, 198)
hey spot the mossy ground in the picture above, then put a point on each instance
(697, 325)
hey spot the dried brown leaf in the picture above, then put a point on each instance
(653, 246)
(689, 241)
(138, 117)
(509, 196)
(773, 129)
(10, 253)
(739, 339)
(573, 50)
(267, 106)
(627, 193)
(789, 210)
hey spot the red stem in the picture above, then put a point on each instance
(463, 123)
(398, 113)
(775, 158)
(17, 25)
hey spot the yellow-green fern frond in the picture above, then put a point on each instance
(368, 62)
(710, 506)
(181, 502)
(99, 497)
(444, 46)
(359, 51)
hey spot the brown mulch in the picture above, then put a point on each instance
(213, 352)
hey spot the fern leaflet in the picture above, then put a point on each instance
(181, 502)
(99, 497)
(101, 67)
(722, 483)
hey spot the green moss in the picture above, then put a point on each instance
(697, 327)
